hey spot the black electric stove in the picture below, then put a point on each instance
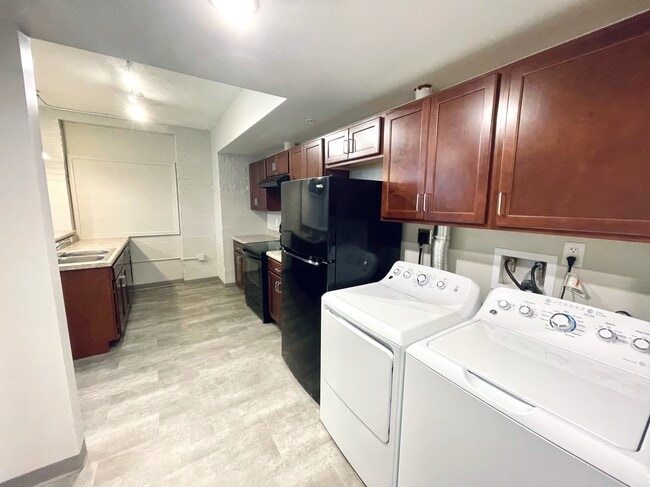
(255, 282)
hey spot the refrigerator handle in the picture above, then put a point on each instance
(302, 259)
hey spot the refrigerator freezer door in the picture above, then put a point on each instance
(307, 221)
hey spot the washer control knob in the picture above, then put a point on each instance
(441, 284)
(396, 271)
(526, 311)
(563, 322)
(503, 304)
(422, 279)
(641, 345)
(407, 274)
(606, 334)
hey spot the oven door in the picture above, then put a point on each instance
(254, 282)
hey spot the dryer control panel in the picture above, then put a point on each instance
(435, 286)
(605, 336)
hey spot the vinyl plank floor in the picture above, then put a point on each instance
(197, 394)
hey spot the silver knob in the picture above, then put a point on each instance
(607, 335)
(407, 274)
(641, 345)
(526, 311)
(563, 322)
(396, 271)
(422, 279)
(441, 284)
(503, 304)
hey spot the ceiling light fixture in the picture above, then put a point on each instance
(137, 112)
(135, 108)
(238, 13)
(131, 80)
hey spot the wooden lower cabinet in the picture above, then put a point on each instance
(97, 305)
(239, 264)
(274, 277)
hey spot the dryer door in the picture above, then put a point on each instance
(359, 370)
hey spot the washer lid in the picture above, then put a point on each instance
(607, 402)
(395, 316)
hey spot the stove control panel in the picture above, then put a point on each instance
(615, 339)
(435, 286)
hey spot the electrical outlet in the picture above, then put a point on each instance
(424, 236)
(576, 250)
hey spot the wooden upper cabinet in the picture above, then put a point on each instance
(277, 164)
(576, 151)
(306, 161)
(405, 149)
(256, 173)
(354, 142)
(314, 158)
(459, 151)
(297, 163)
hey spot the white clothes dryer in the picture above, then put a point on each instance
(532, 391)
(365, 331)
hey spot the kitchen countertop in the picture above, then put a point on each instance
(246, 239)
(275, 255)
(116, 243)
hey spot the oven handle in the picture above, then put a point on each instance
(250, 255)
(303, 259)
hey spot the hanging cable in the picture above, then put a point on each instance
(420, 255)
(506, 267)
(569, 261)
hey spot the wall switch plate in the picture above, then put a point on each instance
(522, 267)
(576, 250)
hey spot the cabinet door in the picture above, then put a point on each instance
(282, 162)
(257, 172)
(575, 152)
(239, 269)
(314, 158)
(365, 139)
(271, 166)
(458, 158)
(297, 163)
(337, 147)
(405, 149)
(275, 296)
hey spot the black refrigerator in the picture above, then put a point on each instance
(332, 237)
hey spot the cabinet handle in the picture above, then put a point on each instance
(255, 201)
(346, 146)
(499, 203)
(277, 269)
(417, 202)
(273, 165)
(279, 284)
(426, 197)
(353, 145)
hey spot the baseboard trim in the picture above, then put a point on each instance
(49, 472)
(154, 285)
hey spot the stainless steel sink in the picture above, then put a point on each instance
(76, 253)
(80, 259)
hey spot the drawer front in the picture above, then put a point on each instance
(237, 246)
(275, 267)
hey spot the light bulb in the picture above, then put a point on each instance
(137, 112)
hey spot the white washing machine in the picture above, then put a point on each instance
(533, 391)
(365, 330)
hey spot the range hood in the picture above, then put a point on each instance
(274, 181)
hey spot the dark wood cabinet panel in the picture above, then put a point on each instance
(261, 199)
(459, 151)
(274, 277)
(314, 158)
(97, 305)
(277, 164)
(405, 148)
(575, 153)
(355, 142)
(337, 147)
(239, 264)
(297, 163)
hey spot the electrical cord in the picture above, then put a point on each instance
(420, 255)
(506, 267)
(533, 272)
(569, 262)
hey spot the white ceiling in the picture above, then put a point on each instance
(334, 60)
(82, 80)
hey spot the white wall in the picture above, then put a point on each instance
(232, 204)
(615, 274)
(273, 220)
(40, 419)
(173, 257)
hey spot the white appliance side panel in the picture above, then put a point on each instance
(359, 370)
(373, 460)
(451, 438)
